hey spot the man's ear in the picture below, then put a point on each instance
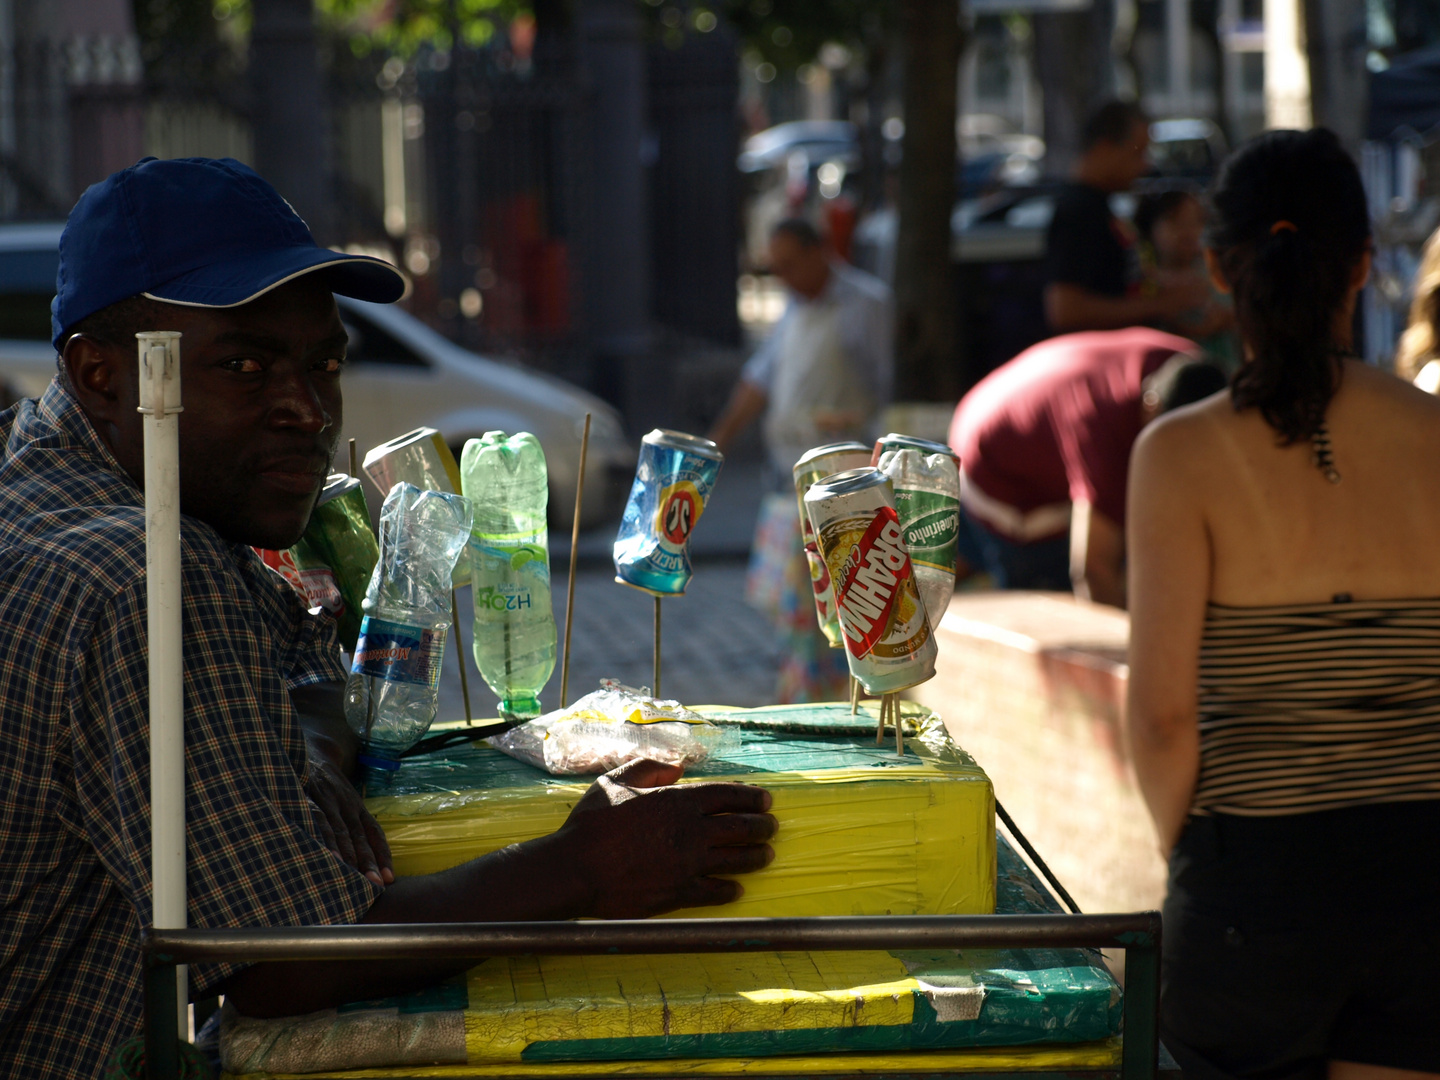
(95, 377)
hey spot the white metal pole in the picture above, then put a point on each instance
(160, 404)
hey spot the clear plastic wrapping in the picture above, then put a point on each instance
(614, 725)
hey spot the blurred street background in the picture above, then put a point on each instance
(582, 190)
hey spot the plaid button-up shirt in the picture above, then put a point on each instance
(74, 747)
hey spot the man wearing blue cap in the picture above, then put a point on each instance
(208, 248)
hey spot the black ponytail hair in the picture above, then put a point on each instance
(1289, 222)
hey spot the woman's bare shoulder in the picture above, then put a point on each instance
(1383, 385)
(1187, 435)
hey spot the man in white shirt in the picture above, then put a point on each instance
(823, 375)
(825, 371)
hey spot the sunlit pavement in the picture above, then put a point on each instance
(715, 649)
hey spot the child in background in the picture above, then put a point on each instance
(1171, 226)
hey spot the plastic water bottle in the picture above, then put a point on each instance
(505, 480)
(392, 693)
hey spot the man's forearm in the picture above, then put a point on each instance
(746, 403)
(537, 880)
(320, 709)
(1103, 585)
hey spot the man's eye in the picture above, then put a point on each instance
(331, 365)
(243, 365)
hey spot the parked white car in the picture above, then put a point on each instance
(401, 375)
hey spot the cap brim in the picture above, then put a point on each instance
(238, 281)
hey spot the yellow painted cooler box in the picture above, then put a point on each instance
(862, 830)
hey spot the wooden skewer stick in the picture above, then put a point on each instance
(899, 729)
(460, 655)
(354, 469)
(880, 724)
(656, 690)
(854, 695)
(574, 552)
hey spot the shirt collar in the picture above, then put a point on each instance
(58, 408)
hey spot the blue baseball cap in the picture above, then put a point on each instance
(200, 232)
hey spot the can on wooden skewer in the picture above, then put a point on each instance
(815, 465)
(888, 640)
(896, 441)
(673, 482)
(927, 498)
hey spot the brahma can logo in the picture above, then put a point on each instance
(680, 507)
(875, 593)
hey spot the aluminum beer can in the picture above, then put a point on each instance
(673, 482)
(888, 640)
(815, 465)
(330, 565)
(896, 441)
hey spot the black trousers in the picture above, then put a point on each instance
(1292, 941)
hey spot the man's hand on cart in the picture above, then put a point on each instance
(347, 828)
(634, 845)
(645, 846)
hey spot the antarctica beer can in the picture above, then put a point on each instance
(888, 640)
(813, 466)
(896, 441)
(673, 482)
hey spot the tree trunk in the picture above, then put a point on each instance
(1074, 62)
(291, 134)
(1335, 45)
(926, 360)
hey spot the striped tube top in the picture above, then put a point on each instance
(1310, 707)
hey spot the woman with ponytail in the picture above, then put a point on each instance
(1284, 700)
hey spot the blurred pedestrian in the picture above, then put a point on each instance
(1282, 713)
(1418, 357)
(1171, 226)
(822, 376)
(1044, 444)
(1094, 278)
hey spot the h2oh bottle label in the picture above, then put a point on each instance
(399, 653)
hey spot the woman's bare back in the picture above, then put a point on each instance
(1280, 532)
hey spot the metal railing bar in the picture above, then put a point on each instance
(419, 941)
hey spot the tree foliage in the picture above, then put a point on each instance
(402, 26)
(788, 33)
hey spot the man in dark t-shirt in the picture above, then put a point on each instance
(1093, 270)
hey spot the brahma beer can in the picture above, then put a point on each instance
(815, 465)
(673, 482)
(888, 639)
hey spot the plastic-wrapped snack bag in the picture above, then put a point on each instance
(614, 725)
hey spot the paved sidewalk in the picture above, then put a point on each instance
(715, 651)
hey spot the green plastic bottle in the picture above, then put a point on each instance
(505, 480)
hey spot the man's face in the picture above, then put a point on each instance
(803, 269)
(1132, 160)
(260, 386)
(1124, 162)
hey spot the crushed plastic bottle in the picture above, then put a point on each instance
(505, 479)
(392, 693)
(927, 498)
